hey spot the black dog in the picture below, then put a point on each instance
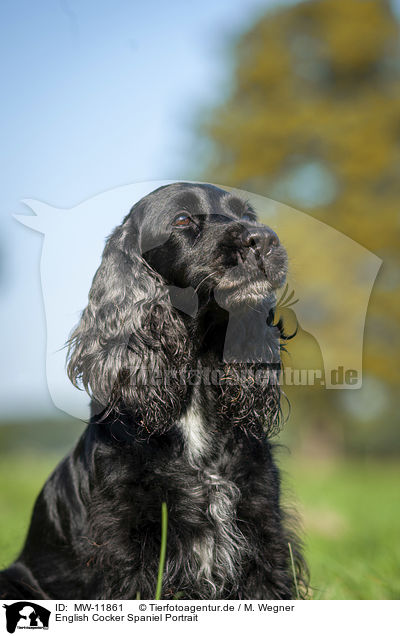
(180, 354)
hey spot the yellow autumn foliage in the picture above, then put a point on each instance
(313, 120)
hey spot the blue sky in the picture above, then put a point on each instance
(95, 95)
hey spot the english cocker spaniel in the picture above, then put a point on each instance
(179, 351)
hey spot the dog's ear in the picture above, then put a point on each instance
(130, 348)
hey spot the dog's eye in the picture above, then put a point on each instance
(182, 220)
(247, 217)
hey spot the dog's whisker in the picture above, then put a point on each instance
(204, 279)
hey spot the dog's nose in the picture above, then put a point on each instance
(262, 238)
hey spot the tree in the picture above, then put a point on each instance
(313, 120)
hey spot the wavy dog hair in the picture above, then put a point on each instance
(179, 350)
(128, 331)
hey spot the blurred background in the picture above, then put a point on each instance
(296, 101)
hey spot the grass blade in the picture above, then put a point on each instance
(294, 571)
(163, 549)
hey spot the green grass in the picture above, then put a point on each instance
(351, 518)
(21, 478)
(350, 510)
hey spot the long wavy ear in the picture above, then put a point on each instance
(130, 348)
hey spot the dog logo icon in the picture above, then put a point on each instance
(26, 615)
(321, 344)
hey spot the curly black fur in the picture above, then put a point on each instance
(180, 354)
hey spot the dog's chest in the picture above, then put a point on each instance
(219, 550)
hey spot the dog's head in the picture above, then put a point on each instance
(205, 238)
(182, 236)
